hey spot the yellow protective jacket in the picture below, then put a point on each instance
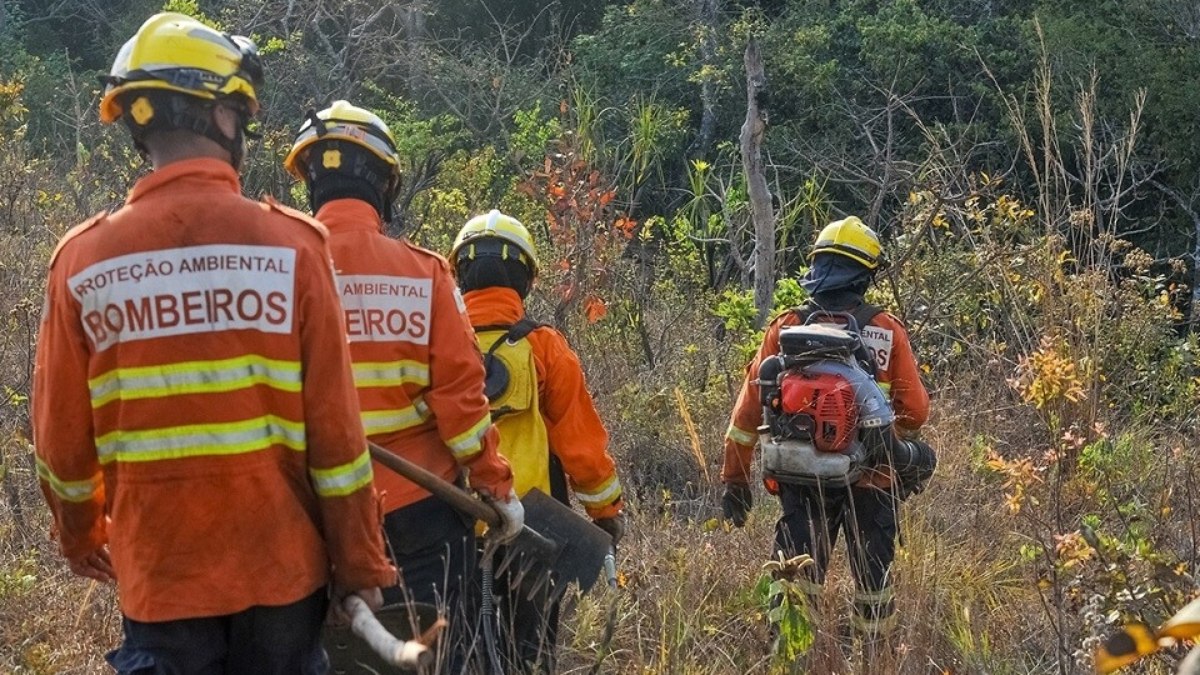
(573, 430)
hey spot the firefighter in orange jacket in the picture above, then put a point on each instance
(549, 428)
(416, 367)
(193, 410)
(845, 259)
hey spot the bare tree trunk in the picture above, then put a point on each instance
(709, 17)
(756, 183)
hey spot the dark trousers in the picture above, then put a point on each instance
(527, 612)
(260, 640)
(433, 547)
(811, 521)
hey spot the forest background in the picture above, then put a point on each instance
(1032, 165)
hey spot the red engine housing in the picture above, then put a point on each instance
(826, 399)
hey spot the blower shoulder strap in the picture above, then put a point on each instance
(513, 332)
(863, 314)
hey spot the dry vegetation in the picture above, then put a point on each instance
(1065, 386)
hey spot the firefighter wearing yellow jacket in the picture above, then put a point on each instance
(549, 428)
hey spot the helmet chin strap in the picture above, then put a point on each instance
(175, 112)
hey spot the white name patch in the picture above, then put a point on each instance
(382, 308)
(878, 341)
(181, 291)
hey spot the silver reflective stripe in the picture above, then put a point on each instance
(194, 377)
(884, 625)
(198, 440)
(740, 436)
(70, 490)
(383, 421)
(345, 479)
(468, 442)
(880, 597)
(607, 493)
(390, 374)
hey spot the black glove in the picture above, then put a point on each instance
(614, 526)
(737, 502)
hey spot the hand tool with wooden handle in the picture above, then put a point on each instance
(560, 539)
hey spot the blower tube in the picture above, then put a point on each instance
(913, 463)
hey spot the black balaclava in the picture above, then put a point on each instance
(358, 174)
(836, 281)
(488, 268)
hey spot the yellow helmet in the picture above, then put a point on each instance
(174, 52)
(345, 122)
(492, 227)
(849, 237)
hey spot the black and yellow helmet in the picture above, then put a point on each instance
(346, 122)
(175, 53)
(496, 234)
(343, 144)
(851, 238)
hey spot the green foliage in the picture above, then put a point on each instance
(417, 136)
(190, 8)
(18, 579)
(785, 606)
(736, 311)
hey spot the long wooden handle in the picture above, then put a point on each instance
(458, 498)
(444, 490)
(408, 654)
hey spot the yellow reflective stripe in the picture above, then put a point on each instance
(390, 373)
(340, 481)
(383, 421)
(199, 440)
(605, 494)
(194, 377)
(70, 490)
(468, 442)
(880, 597)
(885, 387)
(740, 436)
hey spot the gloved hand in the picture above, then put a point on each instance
(736, 503)
(614, 526)
(512, 517)
(337, 614)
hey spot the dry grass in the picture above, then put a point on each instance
(967, 601)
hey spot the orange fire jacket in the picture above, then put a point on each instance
(417, 368)
(577, 437)
(898, 375)
(193, 404)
